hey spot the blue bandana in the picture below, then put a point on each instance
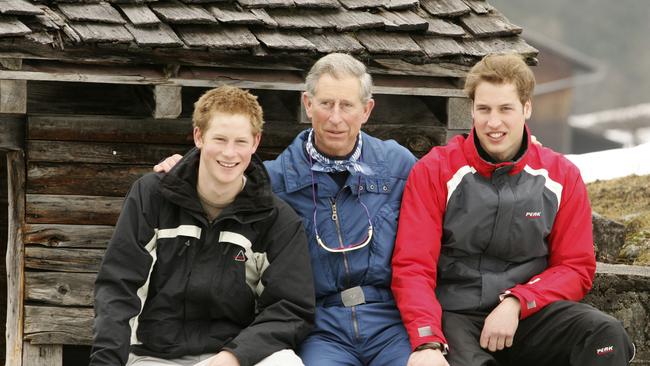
(323, 164)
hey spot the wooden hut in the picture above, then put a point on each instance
(94, 92)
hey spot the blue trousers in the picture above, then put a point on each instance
(378, 339)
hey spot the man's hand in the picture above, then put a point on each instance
(427, 357)
(166, 165)
(500, 326)
(223, 358)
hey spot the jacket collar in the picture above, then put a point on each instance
(486, 168)
(254, 202)
(297, 168)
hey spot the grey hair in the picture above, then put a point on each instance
(338, 65)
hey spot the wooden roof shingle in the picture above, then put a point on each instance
(203, 32)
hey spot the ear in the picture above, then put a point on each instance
(306, 101)
(367, 109)
(256, 142)
(198, 138)
(528, 109)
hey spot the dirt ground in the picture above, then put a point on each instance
(626, 200)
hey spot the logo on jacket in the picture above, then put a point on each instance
(605, 350)
(533, 214)
(240, 257)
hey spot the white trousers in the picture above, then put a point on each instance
(286, 357)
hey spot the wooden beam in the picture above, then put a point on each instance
(13, 96)
(68, 209)
(58, 325)
(12, 132)
(459, 113)
(15, 257)
(60, 289)
(168, 100)
(84, 179)
(63, 259)
(42, 355)
(68, 236)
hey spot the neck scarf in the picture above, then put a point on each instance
(321, 163)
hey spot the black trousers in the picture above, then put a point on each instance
(564, 333)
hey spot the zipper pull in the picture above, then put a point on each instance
(184, 248)
(335, 215)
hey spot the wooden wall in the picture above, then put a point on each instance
(3, 244)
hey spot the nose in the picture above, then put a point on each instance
(335, 114)
(494, 120)
(229, 149)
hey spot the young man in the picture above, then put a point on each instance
(347, 186)
(494, 245)
(206, 266)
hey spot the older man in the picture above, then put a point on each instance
(347, 187)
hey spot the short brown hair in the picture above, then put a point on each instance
(231, 100)
(500, 69)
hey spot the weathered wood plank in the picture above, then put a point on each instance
(78, 210)
(445, 8)
(438, 46)
(401, 4)
(12, 132)
(479, 6)
(157, 36)
(362, 4)
(335, 42)
(175, 12)
(284, 41)
(83, 179)
(13, 96)
(291, 19)
(63, 259)
(354, 20)
(442, 27)
(217, 37)
(68, 236)
(459, 113)
(489, 25)
(321, 4)
(11, 27)
(140, 14)
(98, 152)
(403, 21)
(102, 32)
(266, 3)
(169, 102)
(15, 260)
(229, 14)
(19, 7)
(62, 289)
(389, 43)
(42, 355)
(57, 325)
(110, 128)
(101, 12)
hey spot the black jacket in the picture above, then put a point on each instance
(173, 284)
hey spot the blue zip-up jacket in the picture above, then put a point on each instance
(291, 180)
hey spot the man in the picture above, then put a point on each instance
(495, 245)
(206, 266)
(347, 187)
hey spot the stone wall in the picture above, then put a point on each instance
(624, 292)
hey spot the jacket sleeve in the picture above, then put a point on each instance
(286, 304)
(124, 270)
(572, 262)
(416, 253)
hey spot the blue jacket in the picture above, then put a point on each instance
(291, 180)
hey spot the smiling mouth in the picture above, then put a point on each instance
(227, 165)
(496, 135)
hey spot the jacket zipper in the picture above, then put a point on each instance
(346, 264)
